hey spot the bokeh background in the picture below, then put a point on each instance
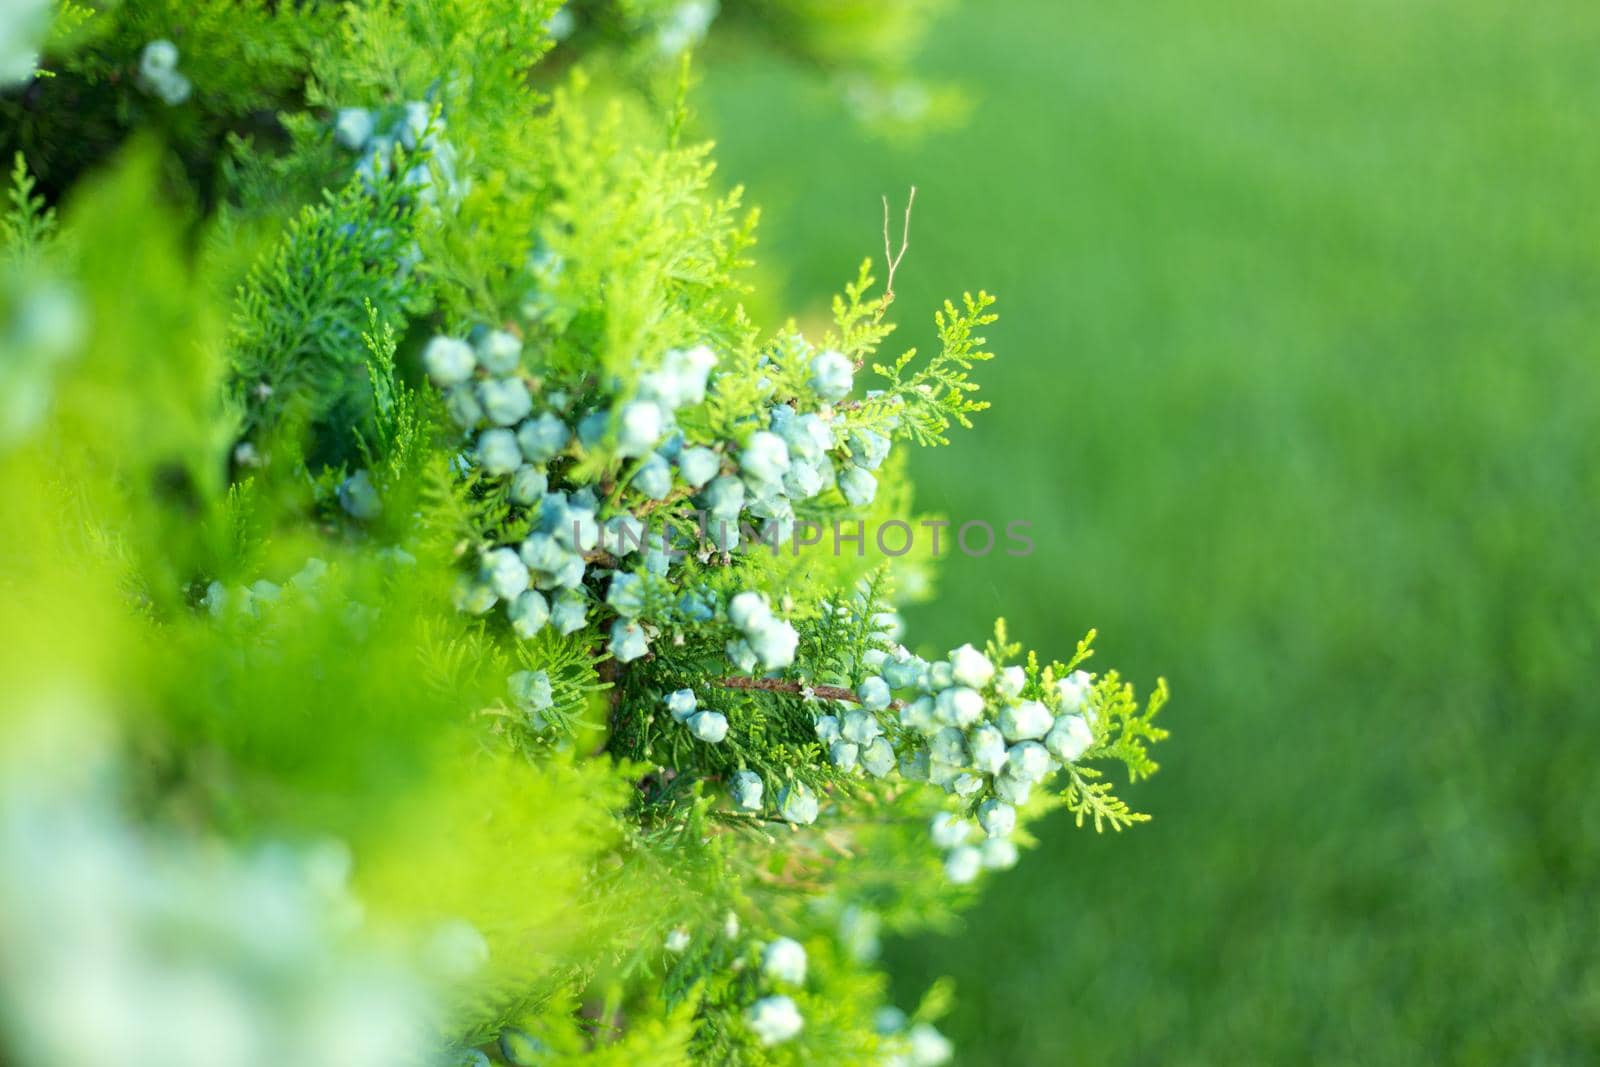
(1298, 379)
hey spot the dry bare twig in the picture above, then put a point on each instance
(890, 257)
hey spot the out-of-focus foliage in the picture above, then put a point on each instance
(865, 51)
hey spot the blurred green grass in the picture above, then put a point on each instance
(1299, 380)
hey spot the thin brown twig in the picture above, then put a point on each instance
(890, 257)
(778, 685)
(682, 492)
(607, 672)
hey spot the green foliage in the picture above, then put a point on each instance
(937, 394)
(265, 548)
(399, 449)
(250, 57)
(29, 220)
(299, 326)
(649, 258)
